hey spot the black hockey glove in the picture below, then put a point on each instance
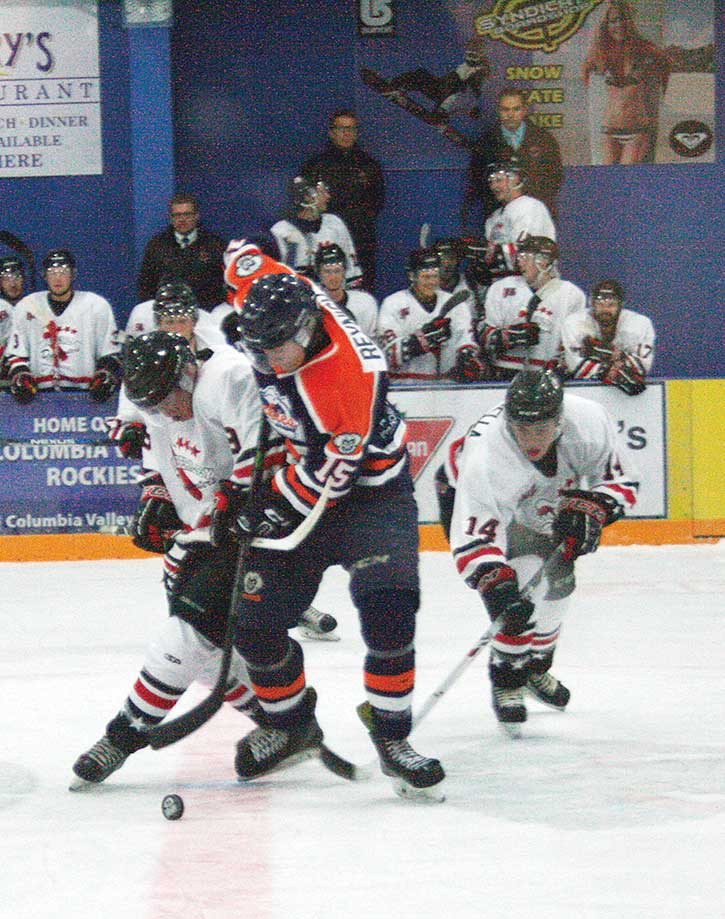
(130, 439)
(107, 378)
(626, 375)
(268, 514)
(580, 518)
(470, 367)
(499, 588)
(429, 337)
(23, 387)
(519, 335)
(155, 521)
(229, 499)
(596, 350)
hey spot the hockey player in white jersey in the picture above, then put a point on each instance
(309, 226)
(611, 344)
(540, 471)
(524, 313)
(62, 338)
(520, 215)
(362, 307)
(143, 317)
(419, 342)
(202, 415)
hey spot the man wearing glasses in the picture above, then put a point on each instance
(355, 180)
(184, 251)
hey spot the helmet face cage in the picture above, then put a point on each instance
(175, 300)
(59, 258)
(329, 254)
(422, 260)
(305, 192)
(608, 290)
(154, 365)
(11, 267)
(533, 396)
(514, 172)
(278, 308)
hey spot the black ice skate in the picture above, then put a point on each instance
(267, 748)
(508, 704)
(413, 775)
(108, 754)
(317, 626)
(547, 689)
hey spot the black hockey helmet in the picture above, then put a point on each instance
(511, 166)
(540, 245)
(59, 258)
(608, 289)
(303, 191)
(278, 308)
(175, 300)
(329, 254)
(153, 364)
(532, 396)
(11, 265)
(422, 259)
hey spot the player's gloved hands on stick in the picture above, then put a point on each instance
(499, 588)
(627, 375)
(597, 350)
(268, 514)
(155, 521)
(23, 387)
(470, 367)
(103, 385)
(229, 499)
(131, 439)
(429, 337)
(580, 518)
(519, 335)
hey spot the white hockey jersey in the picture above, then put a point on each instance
(508, 225)
(297, 249)
(363, 308)
(62, 351)
(635, 336)
(141, 320)
(219, 442)
(507, 303)
(496, 484)
(402, 315)
(6, 324)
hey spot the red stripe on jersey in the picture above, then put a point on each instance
(514, 641)
(464, 560)
(627, 493)
(143, 692)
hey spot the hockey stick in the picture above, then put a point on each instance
(424, 236)
(353, 773)
(168, 732)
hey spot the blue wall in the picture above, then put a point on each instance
(250, 88)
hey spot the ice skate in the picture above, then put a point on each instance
(108, 754)
(414, 776)
(508, 704)
(317, 626)
(267, 748)
(547, 689)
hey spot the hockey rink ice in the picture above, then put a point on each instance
(612, 810)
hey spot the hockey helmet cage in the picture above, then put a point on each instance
(329, 254)
(304, 192)
(175, 300)
(608, 289)
(277, 309)
(508, 166)
(532, 396)
(59, 258)
(422, 259)
(540, 245)
(153, 365)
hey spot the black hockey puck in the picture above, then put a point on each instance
(172, 807)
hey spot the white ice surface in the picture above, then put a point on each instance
(613, 809)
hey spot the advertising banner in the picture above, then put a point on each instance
(50, 91)
(438, 415)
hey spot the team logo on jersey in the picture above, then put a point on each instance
(253, 583)
(248, 264)
(425, 435)
(347, 443)
(691, 138)
(542, 26)
(278, 410)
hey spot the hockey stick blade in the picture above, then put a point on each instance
(342, 767)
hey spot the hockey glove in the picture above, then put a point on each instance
(427, 339)
(596, 350)
(580, 518)
(268, 514)
(130, 439)
(499, 589)
(155, 521)
(229, 499)
(103, 385)
(23, 387)
(470, 367)
(626, 375)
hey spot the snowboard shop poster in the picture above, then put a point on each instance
(614, 81)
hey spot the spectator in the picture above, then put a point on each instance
(635, 74)
(12, 279)
(524, 313)
(185, 251)
(417, 341)
(63, 338)
(514, 135)
(611, 344)
(356, 185)
(518, 216)
(362, 307)
(308, 226)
